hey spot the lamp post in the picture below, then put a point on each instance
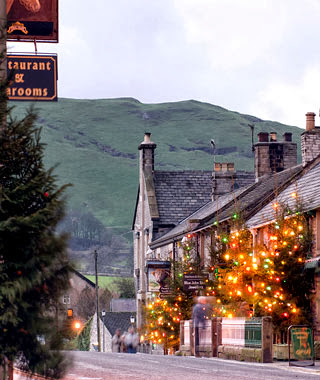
(103, 313)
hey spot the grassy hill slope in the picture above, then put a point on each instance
(95, 143)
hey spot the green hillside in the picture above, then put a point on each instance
(95, 144)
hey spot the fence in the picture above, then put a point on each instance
(230, 338)
(242, 332)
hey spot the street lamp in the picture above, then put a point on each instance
(103, 313)
(77, 325)
(132, 319)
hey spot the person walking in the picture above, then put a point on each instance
(116, 341)
(131, 341)
(199, 315)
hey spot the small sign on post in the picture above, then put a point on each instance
(34, 77)
(193, 281)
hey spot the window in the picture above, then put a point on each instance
(66, 299)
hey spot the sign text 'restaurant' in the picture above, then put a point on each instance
(32, 77)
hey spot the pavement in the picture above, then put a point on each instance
(305, 366)
(301, 368)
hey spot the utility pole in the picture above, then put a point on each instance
(97, 298)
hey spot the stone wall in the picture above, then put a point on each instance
(106, 347)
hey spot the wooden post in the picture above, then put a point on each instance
(181, 334)
(192, 341)
(10, 370)
(97, 299)
(266, 340)
(216, 335)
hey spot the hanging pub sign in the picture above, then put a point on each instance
(32, 20)
(193, 281)
(32, 77)
(158, 272)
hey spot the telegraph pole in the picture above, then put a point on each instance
(97, 298)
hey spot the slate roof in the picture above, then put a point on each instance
(259, 194)
(181, 193)
(114, 321)
(208, 209)
(89, 282)
(306, 186)
(247, 200)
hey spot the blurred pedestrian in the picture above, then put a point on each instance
(116, 341)
(199, 315)
(131, 341)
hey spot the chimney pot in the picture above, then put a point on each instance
(263, 137)
(147, 136)
(287, 136)
(224, 167)
(310, 123)
(217, 166)
(230, 166)
(273, 136)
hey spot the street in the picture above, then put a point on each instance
(99, 366)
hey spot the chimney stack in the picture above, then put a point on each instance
(272, 156)
(147, 148)
(310, 140)
(223, 179)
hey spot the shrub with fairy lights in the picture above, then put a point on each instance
(163, 315)
(269, 279)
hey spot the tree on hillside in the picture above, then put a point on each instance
(86, 305)
(125, 287)
(34, 267)
(84, 228)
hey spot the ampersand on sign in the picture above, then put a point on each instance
(18, 78)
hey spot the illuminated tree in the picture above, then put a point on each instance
(269, 279)
(163, 315)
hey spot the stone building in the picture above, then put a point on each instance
(165, 198)
(70, 299)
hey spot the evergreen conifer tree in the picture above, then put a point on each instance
(34, 266)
